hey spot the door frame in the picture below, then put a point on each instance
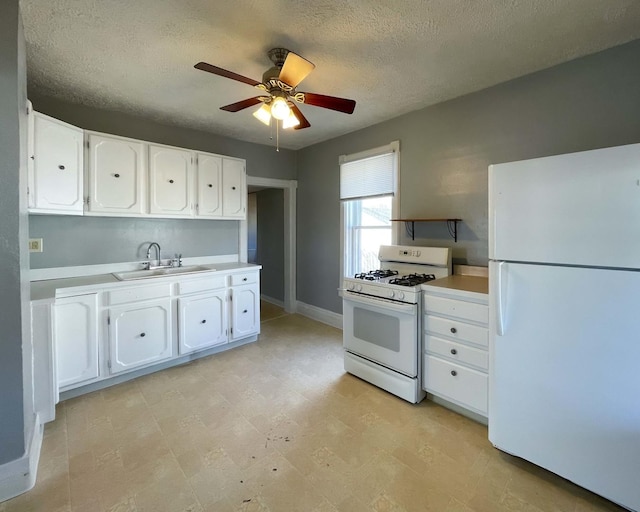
(289, 187)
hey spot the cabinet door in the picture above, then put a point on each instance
(57, 166)
(116, 175)
(139, 334)
(209, 185)
(45, 382)
(202, 321)
(234, 190)
(76, 339)
(170, 181)
(245, 311)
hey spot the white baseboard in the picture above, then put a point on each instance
(19, 475)
(271, 300)
(321, 315)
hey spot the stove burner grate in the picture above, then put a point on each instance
(412, 279)
(372, 275)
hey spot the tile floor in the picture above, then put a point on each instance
(277, 426)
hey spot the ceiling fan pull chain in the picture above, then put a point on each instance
(277, 137)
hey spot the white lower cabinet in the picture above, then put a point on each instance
(202, 321)
(139, 334)
(456, 360)
(76, 340)
(245, 306)
(141, 324)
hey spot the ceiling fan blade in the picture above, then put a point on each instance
(303, 120)
(295, 69)
(210, 68)
(330, 102)
(240, 105)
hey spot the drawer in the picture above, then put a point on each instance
(458, 352)
(201, 284)
(137, 293)
(245, 278)
(467, 387)
(457, 330)
(458, 308)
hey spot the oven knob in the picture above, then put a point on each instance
(352, 286)
(400, 295)
(358, 287)
(391, 294)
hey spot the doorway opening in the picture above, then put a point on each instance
(268, 237)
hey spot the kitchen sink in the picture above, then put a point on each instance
(160, 272)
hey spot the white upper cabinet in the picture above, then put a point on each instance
(56, 157)
(234, 189)
(209, 185)
(170, 181)
(116, 175)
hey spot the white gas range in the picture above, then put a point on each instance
(381, 318)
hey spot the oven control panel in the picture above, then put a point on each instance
(411, 253)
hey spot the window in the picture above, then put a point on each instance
(368, 191)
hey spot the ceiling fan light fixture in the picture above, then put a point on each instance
(280, 109)
(290, 121)
(263, 114)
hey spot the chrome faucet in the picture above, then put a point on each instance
(157, 246)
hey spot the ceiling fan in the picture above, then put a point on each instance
(279, 83)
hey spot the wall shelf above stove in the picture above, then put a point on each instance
(452, 226)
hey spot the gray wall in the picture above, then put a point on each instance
(445, 150)
(86, 241)
(70, 241)
(270, 241)
(14, 305)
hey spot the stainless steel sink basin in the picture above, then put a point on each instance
(160, 272)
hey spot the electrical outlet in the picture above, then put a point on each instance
(35, 244)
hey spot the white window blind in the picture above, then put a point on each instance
(368, 177)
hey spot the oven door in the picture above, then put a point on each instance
(382, 331)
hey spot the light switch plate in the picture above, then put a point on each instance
(35, 244)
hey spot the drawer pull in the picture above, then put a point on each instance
(117, 175)
(170, 181)
(142, 335)
(245, 311)
(209, 185)
(454, 330)
(454, 351)
(61, 167)
(203, 322)
(454, 373)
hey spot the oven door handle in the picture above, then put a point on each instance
(408, 309)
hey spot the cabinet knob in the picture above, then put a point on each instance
(117, 175)
(233, 188)
(210, 185)
(245, 311)
(454, 351)
(170, 181)
(244, 278)
(454, 330)
(454, 373)
(61, 167)
(203, 322)
(142, 335)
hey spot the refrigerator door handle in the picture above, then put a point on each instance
(500, 298)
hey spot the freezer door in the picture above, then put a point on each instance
(564, 381)
(575, 209)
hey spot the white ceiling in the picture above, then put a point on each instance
(392, 57)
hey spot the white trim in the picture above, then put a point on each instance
(271, 300)
(321, 315)
(19, 475)
(290, 190)
(43, 274)
(392, 147)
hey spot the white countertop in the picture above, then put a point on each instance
(48, 289)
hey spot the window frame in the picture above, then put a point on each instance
(393, 147)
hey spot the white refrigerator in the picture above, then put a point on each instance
(564, 250)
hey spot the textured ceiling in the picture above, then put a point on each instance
(392, 57)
